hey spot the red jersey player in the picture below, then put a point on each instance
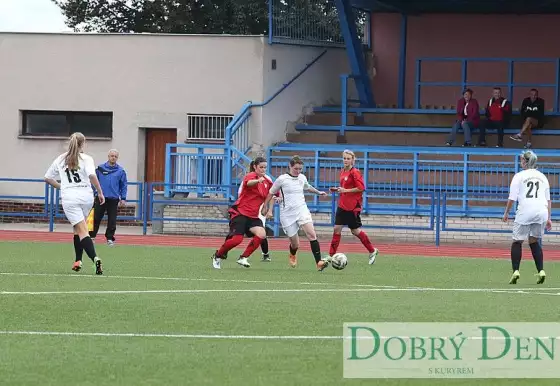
(244, 215)
(350, 206)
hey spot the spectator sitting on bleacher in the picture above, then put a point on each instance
(468, 117)
(498, 113)
(532, 113)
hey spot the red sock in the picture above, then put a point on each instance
(229, 245)
(254, 244)
(335, 243)
(365, 240)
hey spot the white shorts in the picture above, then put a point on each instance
(521, 232)
(291, 223)
(76, 212)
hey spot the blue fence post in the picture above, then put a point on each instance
(366, 181)
(344, 102)
(316, 179)
(510, 79)
(438, 218)
(418, 86)
(200, 170)
(465, 182)
(270, 21)
(557, 88)
(146, 199)
(333, 208)
(276, 229)
(227, 180)
(51, 208)
(402, 61)
(415, 181)
(167, 190)
(464, 74)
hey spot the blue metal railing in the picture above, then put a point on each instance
(398, 169)
(311, 23)
(510, 84)
(435, 208)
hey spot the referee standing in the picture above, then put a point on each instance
(112, 178)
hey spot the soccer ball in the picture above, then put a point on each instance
(339, 261)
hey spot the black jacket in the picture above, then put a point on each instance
(533, 109)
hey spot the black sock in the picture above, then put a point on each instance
(537, 255)
(316, 249)
(78, 248)
(293, 250)
(515, 256)
(88, 246)
(264, 246)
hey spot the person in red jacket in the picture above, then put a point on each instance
(350, 205)
(468, 117)
(498, 112)
(244, 215)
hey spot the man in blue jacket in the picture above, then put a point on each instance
(112, 178)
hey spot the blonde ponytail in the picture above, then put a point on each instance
(75, 145)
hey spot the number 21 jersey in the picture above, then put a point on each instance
(74, 184)
(531, 189)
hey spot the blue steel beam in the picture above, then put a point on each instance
(402, 62)
(354, 51)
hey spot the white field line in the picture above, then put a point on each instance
(295, 290)
(231, 337)
(367, 287)
(190, 279)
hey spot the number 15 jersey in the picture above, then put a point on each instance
(74, 184)
(531, 189)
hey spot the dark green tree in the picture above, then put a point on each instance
(303, 20)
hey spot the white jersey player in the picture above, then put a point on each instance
(264, 243)
(294, 213)
(531, 190)
(76, 172)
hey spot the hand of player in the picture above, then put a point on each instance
(261, 179)
(505, 218)
(101, 198)
(264, 211)
(322, 193)
(269, 214)
(122, 203)
(549, 225)
(277, 200)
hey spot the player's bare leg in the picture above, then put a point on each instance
(321, 262)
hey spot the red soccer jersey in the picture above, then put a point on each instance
(350, 179)
(251, 198)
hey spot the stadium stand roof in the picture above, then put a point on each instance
(411, 7)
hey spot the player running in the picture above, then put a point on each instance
(294, 213)
(350, 206)
(76, 172)
(244, 215)
(531, 189)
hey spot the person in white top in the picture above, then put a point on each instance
(531, 189)
(264, 243)
(76, 172)
(294, 213)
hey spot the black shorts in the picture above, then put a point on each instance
(240, 225)
(345, 217)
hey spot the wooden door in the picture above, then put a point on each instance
(156, 139)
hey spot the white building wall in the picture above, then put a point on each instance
(149, 81)
(320, 84)
(146, 80)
